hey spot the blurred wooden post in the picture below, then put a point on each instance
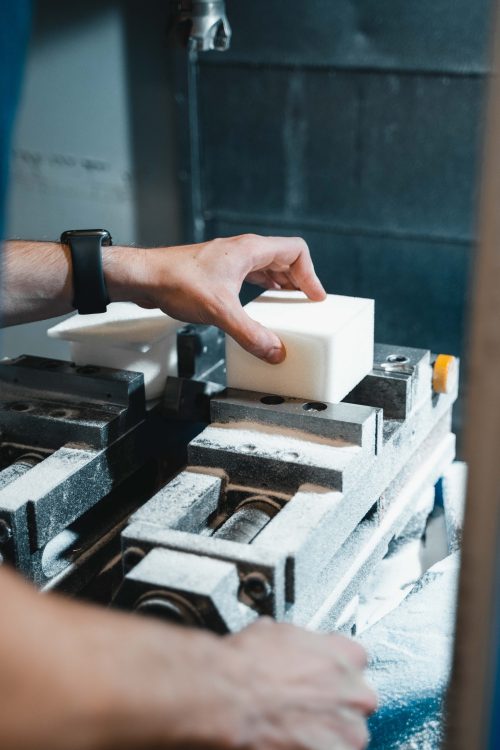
(471, 710)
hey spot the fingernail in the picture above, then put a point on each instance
(276, 355)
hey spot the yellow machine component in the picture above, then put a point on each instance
(445, 373)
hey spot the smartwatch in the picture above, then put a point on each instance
(90, 294)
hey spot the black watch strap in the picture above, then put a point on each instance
(90, 294)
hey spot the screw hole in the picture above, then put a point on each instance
(315, 406)
(60, 413)
(256, 587)
(87, 370)
(399, 359)
(20, 407)
(272, 400)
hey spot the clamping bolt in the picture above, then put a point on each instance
(256, 586)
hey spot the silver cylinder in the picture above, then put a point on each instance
(248, 520)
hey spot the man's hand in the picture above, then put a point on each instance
(302, 691)
(201, 283)
(76, 677)
(193, 283)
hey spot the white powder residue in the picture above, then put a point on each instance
(284, 432)
(410, 660)
(279, 444)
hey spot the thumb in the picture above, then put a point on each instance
(252, 336)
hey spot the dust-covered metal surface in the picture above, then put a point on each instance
(70, 438)
(300, 502)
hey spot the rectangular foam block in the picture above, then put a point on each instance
(329, 346)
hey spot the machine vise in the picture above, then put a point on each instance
(283, 508)
(286, 506)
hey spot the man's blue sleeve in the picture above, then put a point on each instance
(14, 30)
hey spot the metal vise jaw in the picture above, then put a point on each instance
(70, 436)
(286, 505)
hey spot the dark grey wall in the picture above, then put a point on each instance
(358, 126)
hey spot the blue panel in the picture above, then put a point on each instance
(428, 35)
(242, 146)
(386, 153)
(420, 291)
(420, 144)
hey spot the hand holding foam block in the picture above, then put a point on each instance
(329, 346)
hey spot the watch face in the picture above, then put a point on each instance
(103, 234)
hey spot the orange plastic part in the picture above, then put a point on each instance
(444, 374)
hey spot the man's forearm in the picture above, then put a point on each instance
(74, 677)
(37, 279)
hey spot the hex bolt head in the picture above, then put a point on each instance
(256, 587)
(5, 531)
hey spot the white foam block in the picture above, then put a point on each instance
(329, 346)
(126, 337)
